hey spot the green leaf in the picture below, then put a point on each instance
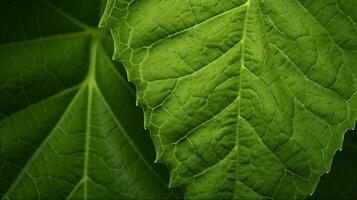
(245, 99)
(341, 183)
(69, 128)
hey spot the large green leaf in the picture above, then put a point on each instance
(245, 99)
(69, 128)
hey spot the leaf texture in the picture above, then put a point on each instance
(245, 99)
(69, 128)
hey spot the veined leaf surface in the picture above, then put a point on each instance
(245, 99)
(69, 128)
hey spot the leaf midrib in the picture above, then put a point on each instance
(91, 81)
(240, 90)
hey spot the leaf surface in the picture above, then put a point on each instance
(245, 99)
(69, 128)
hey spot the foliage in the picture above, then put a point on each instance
(69, 126)
(245, 99)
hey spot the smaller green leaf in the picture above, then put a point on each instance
(245, 99)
